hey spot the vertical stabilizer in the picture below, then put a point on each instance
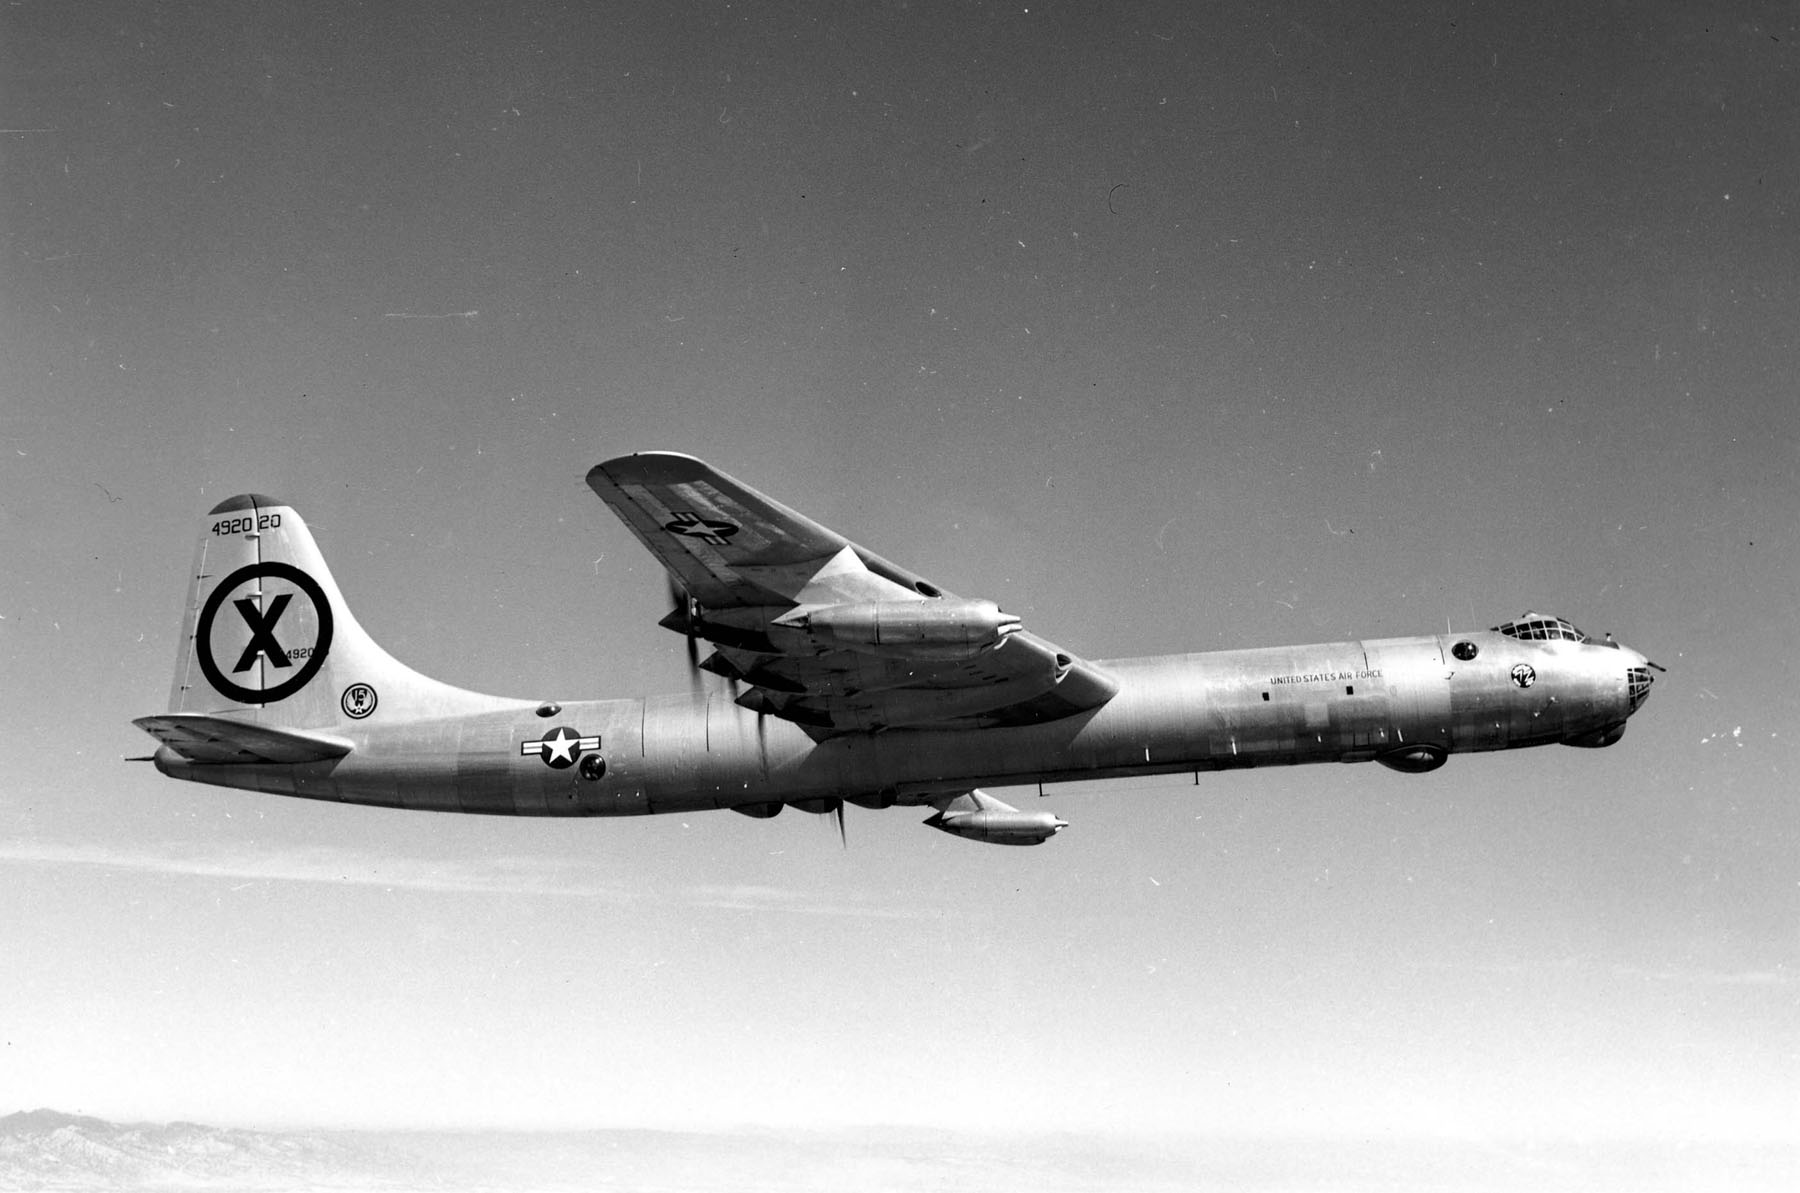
(266, 634)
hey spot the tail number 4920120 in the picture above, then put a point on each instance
(246, 524)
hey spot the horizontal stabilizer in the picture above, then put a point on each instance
(206, 739)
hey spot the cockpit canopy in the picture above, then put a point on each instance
(1539, 628)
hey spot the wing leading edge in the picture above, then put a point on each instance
(826, 633)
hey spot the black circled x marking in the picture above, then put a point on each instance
(262, 633)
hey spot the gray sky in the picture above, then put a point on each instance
(1177, 328)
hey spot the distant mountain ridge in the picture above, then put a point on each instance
(50, 1150)
(47, 1151)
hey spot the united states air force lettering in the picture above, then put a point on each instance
(1325, 676)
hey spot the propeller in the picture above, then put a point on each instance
(827, 807)
(686, 618)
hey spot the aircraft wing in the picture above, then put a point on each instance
(824, 632)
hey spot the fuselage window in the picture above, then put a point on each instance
(1465, 650)
(1553, 629)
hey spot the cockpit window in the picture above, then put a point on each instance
(1536, 628)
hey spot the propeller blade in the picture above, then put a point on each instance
(687, 616)
(827, 807)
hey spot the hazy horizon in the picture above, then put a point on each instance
(195, 1156)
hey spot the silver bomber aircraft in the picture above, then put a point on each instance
(849, 680)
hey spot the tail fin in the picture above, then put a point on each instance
(267, 636)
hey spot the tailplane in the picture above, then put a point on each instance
(267, 641)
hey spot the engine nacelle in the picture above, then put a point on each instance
(950, 629)
(980, 817)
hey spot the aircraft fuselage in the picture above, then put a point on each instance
(1408, 702)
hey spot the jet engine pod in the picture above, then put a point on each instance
(951, 629)
(1414, 759)
(980, 817)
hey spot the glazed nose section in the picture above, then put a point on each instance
(1637, 679)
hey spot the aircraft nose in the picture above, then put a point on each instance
(1637, 678)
